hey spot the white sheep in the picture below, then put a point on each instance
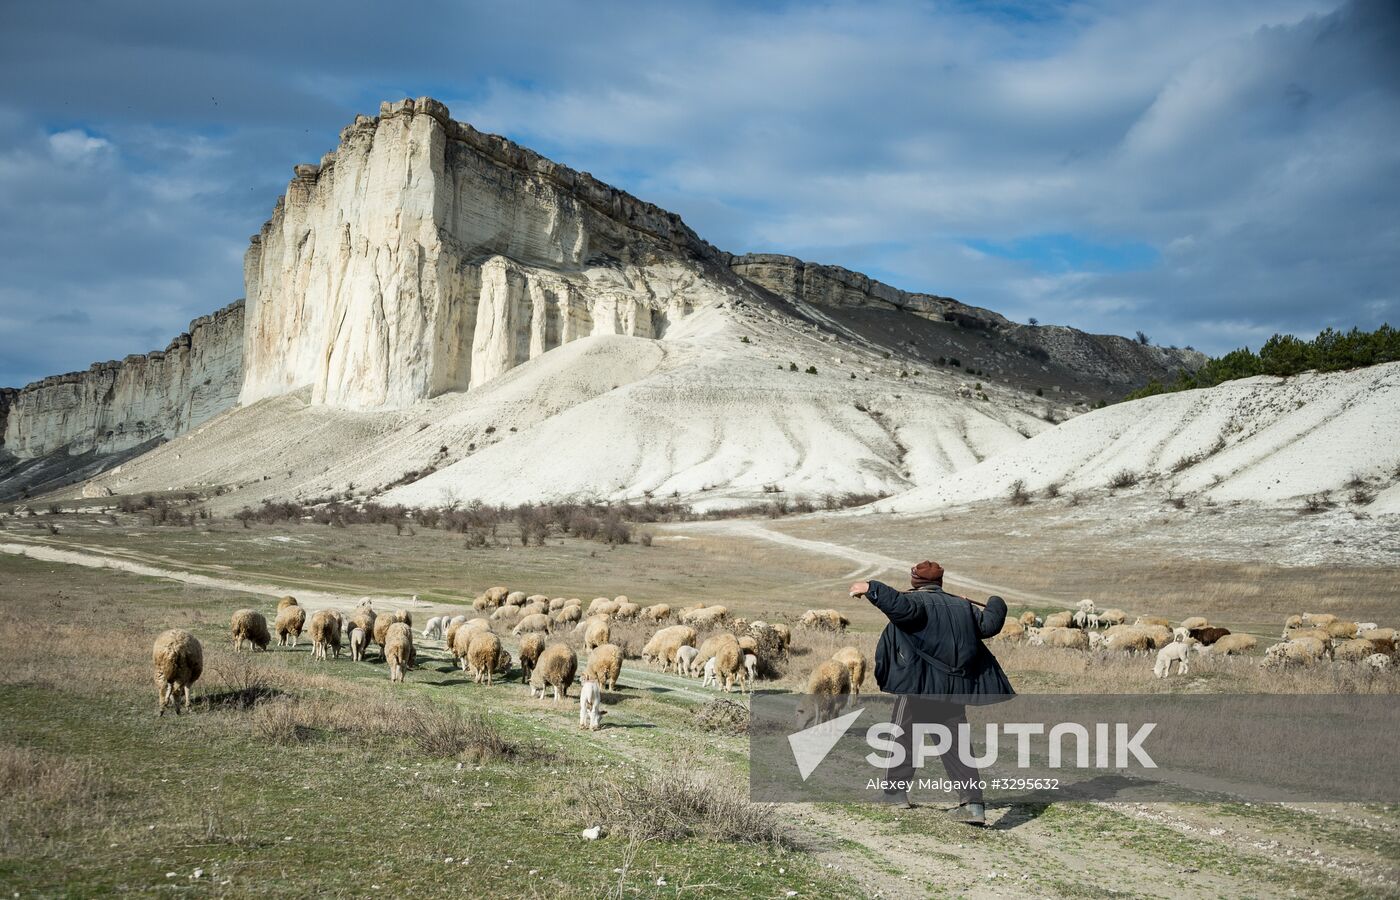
(685, 657)
(590, 704)
(1363, 627)
(1377, 661)
(435, 627)
(751, 666)
(1176, 651)
(710, 678)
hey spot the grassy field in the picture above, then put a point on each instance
(294, 777)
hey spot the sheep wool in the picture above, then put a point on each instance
(398, 650)
(482, 652)
(604, 665)
(555, 668)
(290, 621)
(178, 658)
(531, 646)
(854, 661)
(249, 625)
(325, 634)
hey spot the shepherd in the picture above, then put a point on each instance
(931, 656)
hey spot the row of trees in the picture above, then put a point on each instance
(1284, 355)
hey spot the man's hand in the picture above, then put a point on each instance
(860, 587)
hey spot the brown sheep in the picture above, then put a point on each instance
(1011, 630)
(325, 633)
(284, 602)
(784, 634)
(1234, 643)
(537, 622)
(1209, 635)
(605, 664)
(662, 646)
(827, 688)
(178, 658)
(597, 635)
(249, 625)
(657, 613)
(531, 646)
(290, 620)
(398, 650)
(1384, 645)
(1028, 619)
(854, 660)
(555, 668)
(483, 649)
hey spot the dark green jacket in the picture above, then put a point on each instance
(933, 645)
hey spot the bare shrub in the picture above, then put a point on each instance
(1052, 490)
(1019, 495)
(723, 717)
(1123, 479)
(447, 732)
(1316, 503)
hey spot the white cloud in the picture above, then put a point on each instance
(77, 146)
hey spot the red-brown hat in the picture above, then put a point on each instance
(926, 573)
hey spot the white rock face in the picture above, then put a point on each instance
(422, 257)
(116, 405)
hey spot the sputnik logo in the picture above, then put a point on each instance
(811, 745)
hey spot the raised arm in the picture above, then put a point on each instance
(990, 620)
(898, 608)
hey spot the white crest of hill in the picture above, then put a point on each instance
(1259, 439)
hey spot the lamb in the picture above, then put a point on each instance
(1194, 622)
(1176, 651)
(435, 627)
(531, 646)
(657, 613)
(359, 643)
(483, 648)
(1209, 636)
(568, 614)
(604, 665)
(824, 620)
(1180, 633)
(1234, 643)
(710, 679)
(663, 645)
(1364, 627)
(597, 635)
(590, 704)
(325, 633)
(1153, 620)
(503, 663)
(555, 668)
(289, 623)
(1096, 639)
(1086, 618)
(827, 688)
(284, 602)
(685, 657)
(1354, 650)
(249, 625)
(178, 657)
(1059, 620)
(854, 660)
(751, 668)
(537, 622)
(398, 650)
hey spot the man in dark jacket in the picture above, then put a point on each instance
(932, 656)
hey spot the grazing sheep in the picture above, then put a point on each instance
(1364, 627)
(1354, 650)
(784, 634)
(359, 643)
(1209, 636)
(1234, 643)
(1292, 622)
(435, 627)
(290, 621)
(557, 604)
(496, 595)
(1340, 629)
(482, 650)
(568, 615)
(1382, 633)
(605, 664)
(710, 679)
(1029, 619)
(662, 646)
(1127, 639)
(398, 649)
(284, 602)
(1301, 651)
(854, 660)
(325, 633)
(505, 612)
(1153, 620)
(751, 667)
(537, 622)
(1194, 622)
(657, 613)
(1069, 638)
(503, 662)
(178, 657)
(249, 625)
(531, 646)
(1318, 620)
(685, 656)
(710, 647)
(462, 641)
(1382, 644)
(1378, 661)
(1321, 635)
(534, 609)
(627, 611)
(555, 668)
(514, 598)
(729, 665)
(1011, 630)
(597, 635)
(1176, 651)
(602, 606)
(827, 688)
(748, 643)
(1059, 620)
(590, 704)
(824, 620)
(382, 623)
(1112, 616)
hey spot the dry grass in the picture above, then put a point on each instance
(48, 792)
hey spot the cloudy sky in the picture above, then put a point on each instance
(1207, 172)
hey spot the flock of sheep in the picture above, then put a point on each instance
(1307, 638)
